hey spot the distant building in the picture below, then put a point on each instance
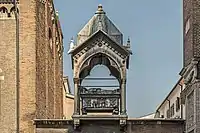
(171, 107)
(148, 116)
(68, 100)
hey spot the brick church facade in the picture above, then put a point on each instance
(40, 65)
(34, 96)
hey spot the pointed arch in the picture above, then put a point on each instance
(3, 12)
(3, 9)
(12, 11)
(99, 59)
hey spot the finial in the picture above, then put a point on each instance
(100, 7)
(71, 45)
(57, 13)
(128, 42)
(100, 10)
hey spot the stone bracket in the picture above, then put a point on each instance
(76, 123)
(123, 123)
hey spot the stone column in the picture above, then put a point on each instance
(76, 96)
(123, 96)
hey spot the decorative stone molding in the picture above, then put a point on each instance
(76, 123)
(76, 80)
(43, 1)
(7, 12)
(52, 123)
(123, 123)
(96, 46)
(123, 81)
(8, 1)
(190, 72)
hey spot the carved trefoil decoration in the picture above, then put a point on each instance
(100, 43)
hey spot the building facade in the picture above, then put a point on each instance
(40, 90)
(171, 107)
(190, 72)
(68, 100)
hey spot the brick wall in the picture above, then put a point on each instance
(40, 66)
(27, 43)
(188, 35)
(7, 64)
(191, 13)
(49, 63)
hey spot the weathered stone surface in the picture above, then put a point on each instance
(112, 126)
(7, 87)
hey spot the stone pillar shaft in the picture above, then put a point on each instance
(123, 97)
(76, 96)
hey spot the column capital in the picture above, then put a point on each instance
(123, 81)
(76, 80)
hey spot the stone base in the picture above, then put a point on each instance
(111, 126)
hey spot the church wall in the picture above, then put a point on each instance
(50, 65)
(58, 81)
(42, 62)
(7, 64)
(27, 67)
(49, 62)
(27, 11)
(40, 69)
(171, 106)
(58, 69)
(68, 107)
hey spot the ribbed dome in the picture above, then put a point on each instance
(100, 22)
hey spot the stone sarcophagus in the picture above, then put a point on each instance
(100, 100)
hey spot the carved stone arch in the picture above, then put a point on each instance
(12, 11)
(88, 63)
(3, 9)
(3, 12)
(90, 54)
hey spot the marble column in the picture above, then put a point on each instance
(76, 96)
(123, 96)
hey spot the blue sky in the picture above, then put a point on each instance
(155, 30)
